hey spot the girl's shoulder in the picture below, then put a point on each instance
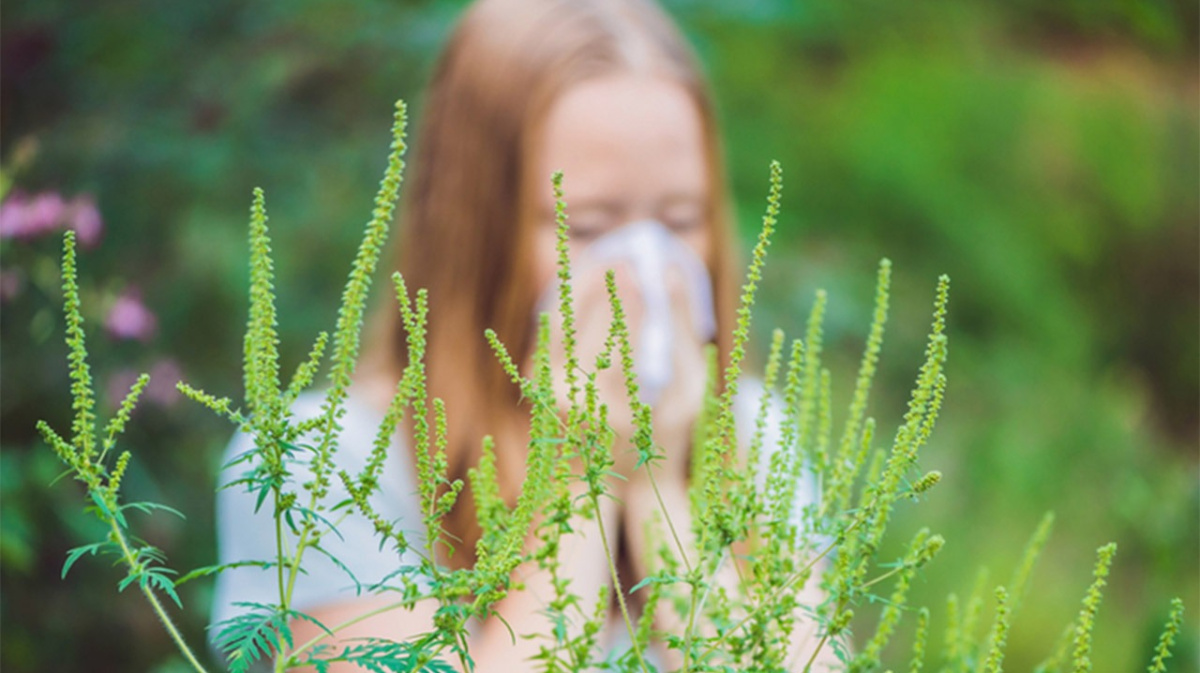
(748, 410)
(359, 419)
(246, 528)
(359, 423)
(747, 406)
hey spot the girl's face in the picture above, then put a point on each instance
(631, 147)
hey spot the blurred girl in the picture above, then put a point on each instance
(608, 92)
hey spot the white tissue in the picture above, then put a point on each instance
(651, 251)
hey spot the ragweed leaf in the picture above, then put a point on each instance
(252, 635)
(75, 554)
(148, 507)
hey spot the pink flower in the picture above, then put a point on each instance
(12, 215)
(44, 213)
(84, 218)
(119, 383)
(130, 319)
(26, 217)
(164, 374)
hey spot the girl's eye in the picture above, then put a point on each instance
(587, 227)
(583, 235)
(684, 218)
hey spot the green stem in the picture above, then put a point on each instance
(283, 592)
(694, 608)
(346, 624)
(128, 556)
(816, 651)
(293, 571)
(841, 605)
(294, 566)
(279, 551)
(308, 537)
(884, 576)
(463, 646)
(767, 600)
(670, 524)
(686, 564)
(349, 622)
(687, 632)
(612, 569)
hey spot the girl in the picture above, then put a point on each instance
(608, 92)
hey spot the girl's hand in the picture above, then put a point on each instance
(678, 407)
(593, 320)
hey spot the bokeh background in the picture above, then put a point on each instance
(1043, 153)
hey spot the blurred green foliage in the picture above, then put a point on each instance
(1043, 154)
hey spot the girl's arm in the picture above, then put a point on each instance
(645, 520)
(397, 624)
(491, 645)
(642, 505)
(583, 561)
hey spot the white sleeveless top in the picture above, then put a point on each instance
(246, 535)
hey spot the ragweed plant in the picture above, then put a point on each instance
(784, 529)
(144, 564)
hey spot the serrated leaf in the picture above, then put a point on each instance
(148, 507)
(657, 579)
(205, 571)
(306, 512)
(156, 578)
(262, 495)
(151, 553)
(239, 459)
(290, 448)
(251, 636)
(358, 587)
(74, 555)
(296, 614)
(385, 656)
(382, 585)
(128, 579)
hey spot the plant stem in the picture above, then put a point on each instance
(767, 600)
(349, 622)
(816, 651)
(132, 562)
(694, 608)
(884, 576)
(687, 632)
(279, 550)
(283, 592)
(666, 515)
(612, 569)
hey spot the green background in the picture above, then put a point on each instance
(1042, 153)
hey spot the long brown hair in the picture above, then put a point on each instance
(467, 219)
